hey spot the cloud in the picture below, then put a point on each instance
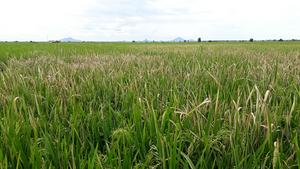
(135, 19)
(151, 19)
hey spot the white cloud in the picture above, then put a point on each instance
(152, 19)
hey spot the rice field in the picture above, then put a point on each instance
(150, 105)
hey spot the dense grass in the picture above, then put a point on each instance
(114, 105)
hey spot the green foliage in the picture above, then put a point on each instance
(158, 105)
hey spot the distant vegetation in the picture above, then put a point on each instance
(178, 39)
(150, 105)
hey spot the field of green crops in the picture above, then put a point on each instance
(150, 105)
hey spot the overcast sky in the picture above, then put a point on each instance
(111, 20)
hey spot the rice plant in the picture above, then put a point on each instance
(150, 105)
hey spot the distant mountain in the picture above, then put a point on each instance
(179, 39)
(146, 40)
(69, 39)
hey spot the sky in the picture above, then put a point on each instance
(118, 20)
